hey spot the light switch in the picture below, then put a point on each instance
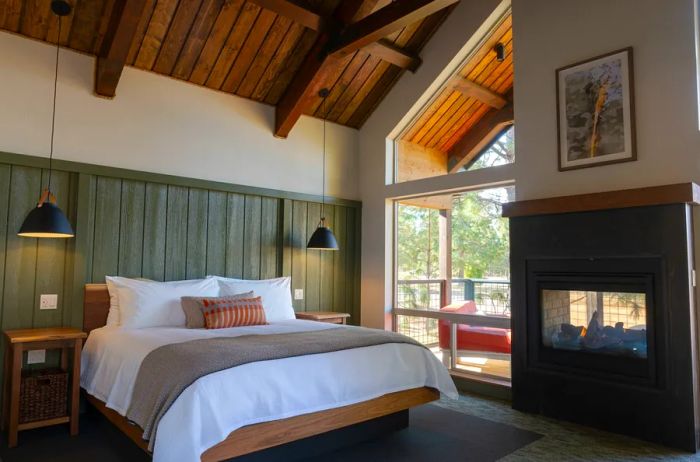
(36, 356)
(298, 294)
(48, 301)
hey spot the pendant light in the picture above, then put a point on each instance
(323, 238)
(46, 219)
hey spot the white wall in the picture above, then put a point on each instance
(548, 34)
(158, 124)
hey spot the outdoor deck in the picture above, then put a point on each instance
(492, 297)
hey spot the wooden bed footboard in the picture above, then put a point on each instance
(265, 435)
(268, 434)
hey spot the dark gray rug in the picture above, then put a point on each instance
(435, 433)
(439, 434)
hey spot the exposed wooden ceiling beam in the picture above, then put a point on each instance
(382, 49)
(393, 54)
(310, 79)
(328, 50)
(383, 22)
(474, 90)
(110, 63)
(479, 136)
(296, 13)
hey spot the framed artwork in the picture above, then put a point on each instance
(595, 111)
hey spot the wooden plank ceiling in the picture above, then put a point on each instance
(474, 106)
(254, 49)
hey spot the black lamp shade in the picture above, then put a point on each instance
(46, 220)
(322, 239)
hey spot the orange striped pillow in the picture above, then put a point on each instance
(220, 313)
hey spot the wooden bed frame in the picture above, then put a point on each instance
(264, 435)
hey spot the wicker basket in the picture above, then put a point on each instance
(43, 395)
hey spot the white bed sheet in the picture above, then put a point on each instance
(219, 403)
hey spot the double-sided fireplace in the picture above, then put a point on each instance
(596, 316)
(604, 325)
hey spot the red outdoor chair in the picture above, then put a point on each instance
(484, 342)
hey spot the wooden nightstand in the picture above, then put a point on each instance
(324, 316)
(18, 341)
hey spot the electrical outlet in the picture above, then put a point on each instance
(298, 294)
(36, 356)
(48, 301)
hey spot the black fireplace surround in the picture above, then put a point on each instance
(573, 359)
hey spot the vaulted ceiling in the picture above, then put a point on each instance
(273, 51)
(474, 106)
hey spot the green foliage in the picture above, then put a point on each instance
(479, 238)
(418, 243)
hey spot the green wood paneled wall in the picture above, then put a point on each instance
(30, 267)
(164, 230)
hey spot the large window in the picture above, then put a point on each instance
(465, 125)
(451, 270)
(451, 260)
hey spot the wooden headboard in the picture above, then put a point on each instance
(95, 306)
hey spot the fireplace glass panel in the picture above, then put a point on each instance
(612, 323)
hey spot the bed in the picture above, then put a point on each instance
(259, 405)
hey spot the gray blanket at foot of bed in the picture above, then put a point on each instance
(168, 370)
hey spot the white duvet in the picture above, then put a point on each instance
(219, 403)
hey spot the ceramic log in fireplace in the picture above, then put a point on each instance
(604, 312)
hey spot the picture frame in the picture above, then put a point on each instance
(595, 111)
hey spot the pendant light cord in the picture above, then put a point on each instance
(53, 115)
(323, 186)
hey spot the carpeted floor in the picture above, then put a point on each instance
(433, 430)
(470, 429)
(563, 441)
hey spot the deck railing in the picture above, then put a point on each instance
(492, 296)
(414, 296)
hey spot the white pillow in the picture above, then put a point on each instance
(113, 318)
(113, 314)
(155, 304)
(276, 294)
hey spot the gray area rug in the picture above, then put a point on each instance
(439, 434)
